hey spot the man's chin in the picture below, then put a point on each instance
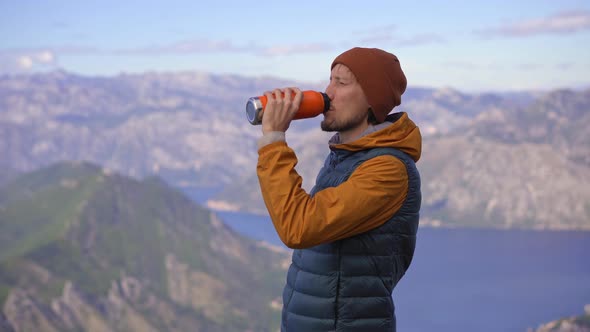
(328, 127)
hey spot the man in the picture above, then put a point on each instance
(355, 232)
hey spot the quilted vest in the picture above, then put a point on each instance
(347, 285)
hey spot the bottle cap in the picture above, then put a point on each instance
(254, 109)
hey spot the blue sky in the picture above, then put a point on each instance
(468, 45)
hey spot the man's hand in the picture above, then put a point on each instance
(281, 106)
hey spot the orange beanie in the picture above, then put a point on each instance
(380, 76)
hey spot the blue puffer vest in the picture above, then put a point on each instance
(346, 285)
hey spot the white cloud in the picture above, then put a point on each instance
(471, 66)
(377, 30)
(385, 33)
(564, 66)
(22, 61)
(48, 57)
(295, 49)
(223, 46)
(45, 57)
(560, 23)
(185, 47)
(422, 39)
(377, 34)
(530, 67)
(25, 62)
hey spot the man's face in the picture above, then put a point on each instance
(349, 107)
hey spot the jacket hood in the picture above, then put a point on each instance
(397, 131)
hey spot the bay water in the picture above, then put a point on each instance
(480, 280)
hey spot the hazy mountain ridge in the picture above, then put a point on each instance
(559, 118)
(524, 167)
(190, 129)
(502, 185)
(136, 124)
(172, 124)
(441, 111)
(85, 248)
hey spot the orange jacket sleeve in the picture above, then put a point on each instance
(370, 196)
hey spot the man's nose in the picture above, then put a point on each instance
(329, 91)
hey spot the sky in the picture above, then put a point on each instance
(502, 45)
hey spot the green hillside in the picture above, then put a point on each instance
(74, 227)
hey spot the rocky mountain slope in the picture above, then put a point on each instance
(84, 248)
(188, 127)
(559, 119)
(525, 167)
(167, 124)
(490, 160)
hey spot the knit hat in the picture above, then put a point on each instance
(380, 76)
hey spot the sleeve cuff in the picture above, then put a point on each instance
(271, 137)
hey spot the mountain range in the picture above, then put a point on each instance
(522, 167)
(83, 248)
(95, 233)
(500, 160)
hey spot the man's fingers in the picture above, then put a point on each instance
(278, 93)
(298, 98)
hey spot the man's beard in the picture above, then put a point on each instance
(345, 124)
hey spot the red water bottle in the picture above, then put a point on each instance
(313, 104)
